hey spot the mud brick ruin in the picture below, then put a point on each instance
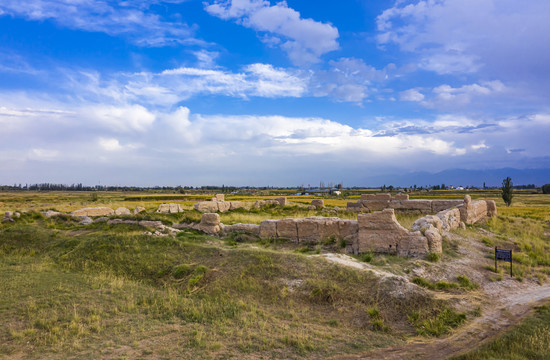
(401, 202)
(375, 230)
(378, 231)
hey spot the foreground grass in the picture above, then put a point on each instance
(113, 292)
(529, 340)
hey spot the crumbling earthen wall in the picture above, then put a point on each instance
(378, 231)
(400, 202)
(218, 204)
(308, 230)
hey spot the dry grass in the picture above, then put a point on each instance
(112, 292)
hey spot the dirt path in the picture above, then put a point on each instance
(503, 309)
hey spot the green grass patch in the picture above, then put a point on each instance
(463, 282)
(438, 323)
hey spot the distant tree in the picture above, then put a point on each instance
(507, 189)
(546, 189)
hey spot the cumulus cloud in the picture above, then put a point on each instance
(411, 95)
(127, 19)
(502, 38)
(121, 118)
(241, 146)
(110, 144)
(446, 96)
(480, 146)
(304, 40)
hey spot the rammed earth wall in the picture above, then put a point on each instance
(401, 203)
(378, 231)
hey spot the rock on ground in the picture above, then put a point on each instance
(94, 211)
(122, 211)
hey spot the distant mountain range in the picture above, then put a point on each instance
(463, 177)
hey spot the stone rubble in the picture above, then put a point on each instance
(122, 211)
(94, 211)
(170, 208)
(138, 209)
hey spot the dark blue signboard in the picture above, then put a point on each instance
(503, 255)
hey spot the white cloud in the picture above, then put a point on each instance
(347, 80)
(446, 96)
(501, 38)
(304, 40)
(42, 154)
(110, 144)
(306, 136)
(174, 85)
(205, 58)
(121, 118)
(411, 95)
(157, 141)
(480, 146)
(132, 20)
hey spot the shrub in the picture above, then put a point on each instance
(373, 312)
(433, 257)
(179, 271)
(445, 321)
(546, 189)
(366, 257)
(342, 243)
(466, 283)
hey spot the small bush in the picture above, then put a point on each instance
(438, 325)
(181, 271)
(422, 282)
(440, 285)
(366, 257)
(342, 243)
(444, 285)
(325, 292)
(466, 283)
(304, 250)
(433, 257)
(373, 312)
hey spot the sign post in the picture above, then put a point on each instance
(503, 255)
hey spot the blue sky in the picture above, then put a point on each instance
(253, 92)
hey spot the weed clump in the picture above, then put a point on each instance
(466, 283)
(437, 325)
(366, 257)
(433, 257)
(180, 271)
(377, 322)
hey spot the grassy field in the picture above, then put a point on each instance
(529, 340)
(112, 292)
